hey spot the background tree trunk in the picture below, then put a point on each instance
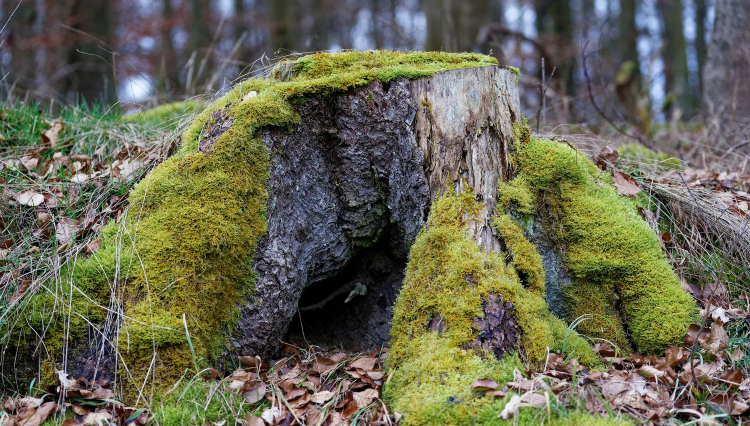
(351, 187)
(675, 56)
(726, 90)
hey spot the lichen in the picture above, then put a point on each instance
(622, 280)
(185, 248)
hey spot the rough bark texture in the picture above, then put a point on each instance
(359, 173)
(726, 92)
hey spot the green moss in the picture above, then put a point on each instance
(619, 270)
(449, 277)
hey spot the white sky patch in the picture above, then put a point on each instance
(135, 89)
(361, 39)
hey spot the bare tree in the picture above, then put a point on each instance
(726, 91)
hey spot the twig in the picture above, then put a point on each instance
(543, 101)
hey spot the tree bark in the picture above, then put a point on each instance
(352, 185)
(675, 56)
(726, 92)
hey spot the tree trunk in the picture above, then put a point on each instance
(20, 43)
(675, 57)
(726, 92)
(352, 185)
(453, 25)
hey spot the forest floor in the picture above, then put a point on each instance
(65, 175)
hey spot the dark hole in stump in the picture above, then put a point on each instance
(364, 321)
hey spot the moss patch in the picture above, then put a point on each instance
(186, 245)
(450, 277)
(620, 273)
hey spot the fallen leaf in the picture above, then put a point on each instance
(734, 377)
(718, 340)
(41, 415)
(30, 198)
(66, 230)
(43, 218)
(626, 185)
(484, 384)
(97, 419)
(322, 365)
(296, 393)
(312, 415)
(606, 157)
(322, 397)
(80, 178)
(94, 246)
(253, 420)
(270, 414)
(365, 363)
(364, 398)
(533, 399)
(29, 162)
(52, 135)
(254, 392)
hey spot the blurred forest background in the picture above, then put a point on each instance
(648, 63)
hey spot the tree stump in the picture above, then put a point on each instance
(354, 180)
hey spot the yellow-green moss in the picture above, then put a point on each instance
(186, 245)
(449, 277)
(613, 255)
(526, 258)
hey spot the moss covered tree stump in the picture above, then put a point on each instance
(317, 192)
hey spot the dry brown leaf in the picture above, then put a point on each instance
(29, 198)
(364, 398)
(338, 357)
(30, 162)
(322, 365)
(365, 363)
(533, 399)
(523, 385)
(350, 409)
(66, 230)
(253, 420)
(254, 391)
(322, 397)
(94, 246)
(97, 418)
(734, 377)
(694, 332)
(312, 415)
(80, 410)
(41, 415)
(80, 178)
(718, 341)
(52, 135)
(626, 185)
(484, 384)
(606, 157)
(295, 393)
